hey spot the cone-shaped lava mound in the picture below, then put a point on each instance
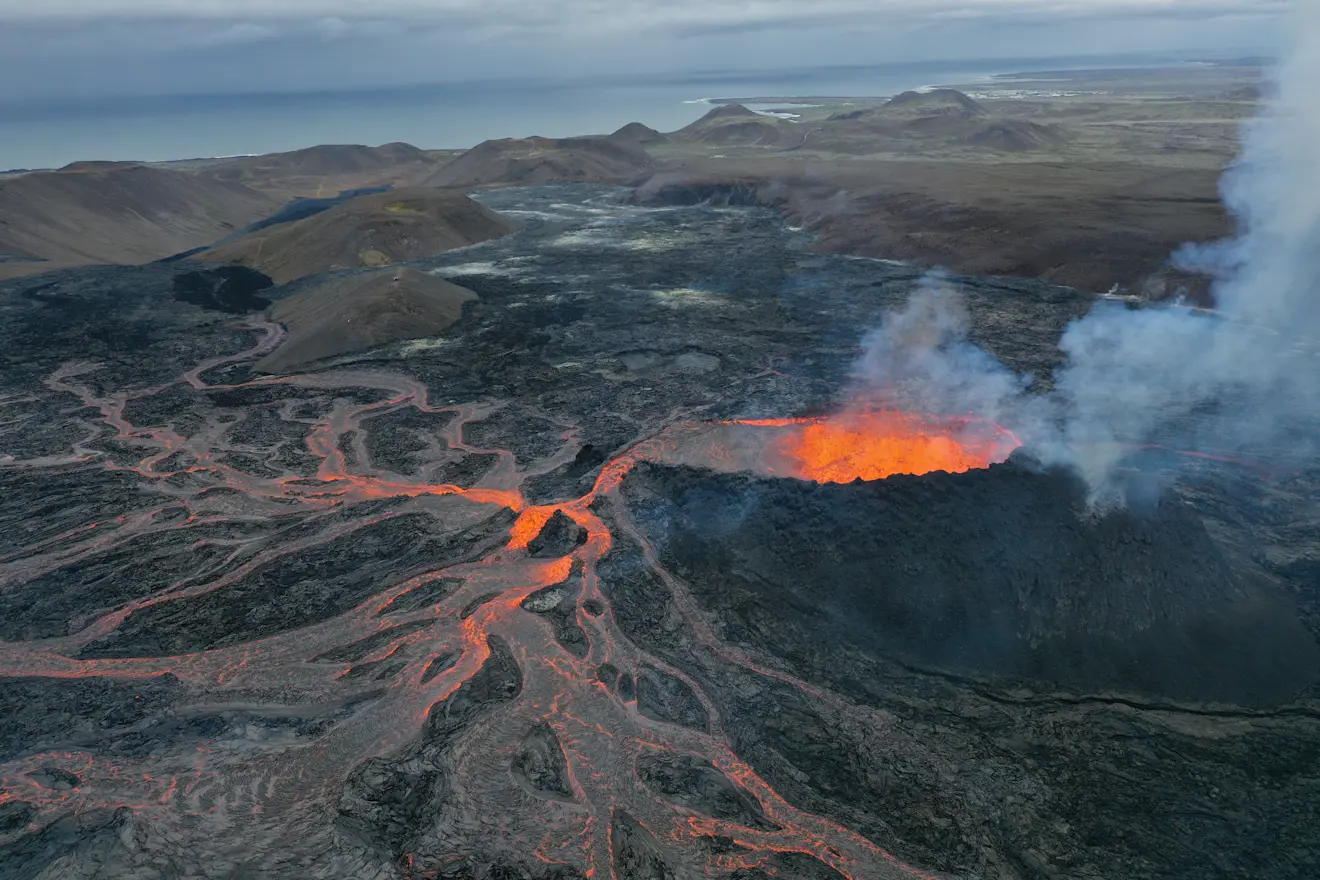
(998, 572)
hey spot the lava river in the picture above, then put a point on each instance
(224, 800)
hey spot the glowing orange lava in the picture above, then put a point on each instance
(875, 445)
(435, 643)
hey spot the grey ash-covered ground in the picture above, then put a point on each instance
(259, 627)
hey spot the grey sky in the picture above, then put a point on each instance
(52, 48)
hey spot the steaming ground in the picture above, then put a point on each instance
(598, 324)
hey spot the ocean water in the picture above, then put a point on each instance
(49, 134)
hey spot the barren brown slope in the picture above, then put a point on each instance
(937, 102)
(719, 114)
(326, 170)
(762, 131)
(735, 125)
(529, 161)
(637, 133)
(363, 311)
(1089, 226)
(938, 124)
(102, 212)
(374, 230)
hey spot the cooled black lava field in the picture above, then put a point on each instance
(508, 604)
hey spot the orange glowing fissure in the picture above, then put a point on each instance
(873, 445)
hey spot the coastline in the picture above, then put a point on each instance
(437, 116)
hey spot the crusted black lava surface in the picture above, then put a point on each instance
(230, 289)
(1004, 572)
(456, 608)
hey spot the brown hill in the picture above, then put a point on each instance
(530, 161)
(637, 133)
(374, 230)
(733, 125)
(328, 169)
(360, 312)
(722, 115)
(937, 102)
(761, 132)
(123, 213)
(726, 111)
(920, 105)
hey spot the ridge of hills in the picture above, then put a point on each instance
(942, 116)
(535, 160)
(326, 169)
(735, 125)
(946, 115)
(323, 159)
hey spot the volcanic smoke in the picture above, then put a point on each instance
(1243, 377)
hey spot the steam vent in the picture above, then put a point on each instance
(998, 572)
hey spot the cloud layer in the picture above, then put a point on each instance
(56, 48)
(632, 14)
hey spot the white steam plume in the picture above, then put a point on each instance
(1130, 372)
(1239, 378)
(921, 356)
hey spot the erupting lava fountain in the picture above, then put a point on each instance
(857, 444)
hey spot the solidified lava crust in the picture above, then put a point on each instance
(996, 572)
(526, 601)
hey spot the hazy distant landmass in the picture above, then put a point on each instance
(48, 133)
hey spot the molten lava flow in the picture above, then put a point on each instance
(875, 445)
(418, 642)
